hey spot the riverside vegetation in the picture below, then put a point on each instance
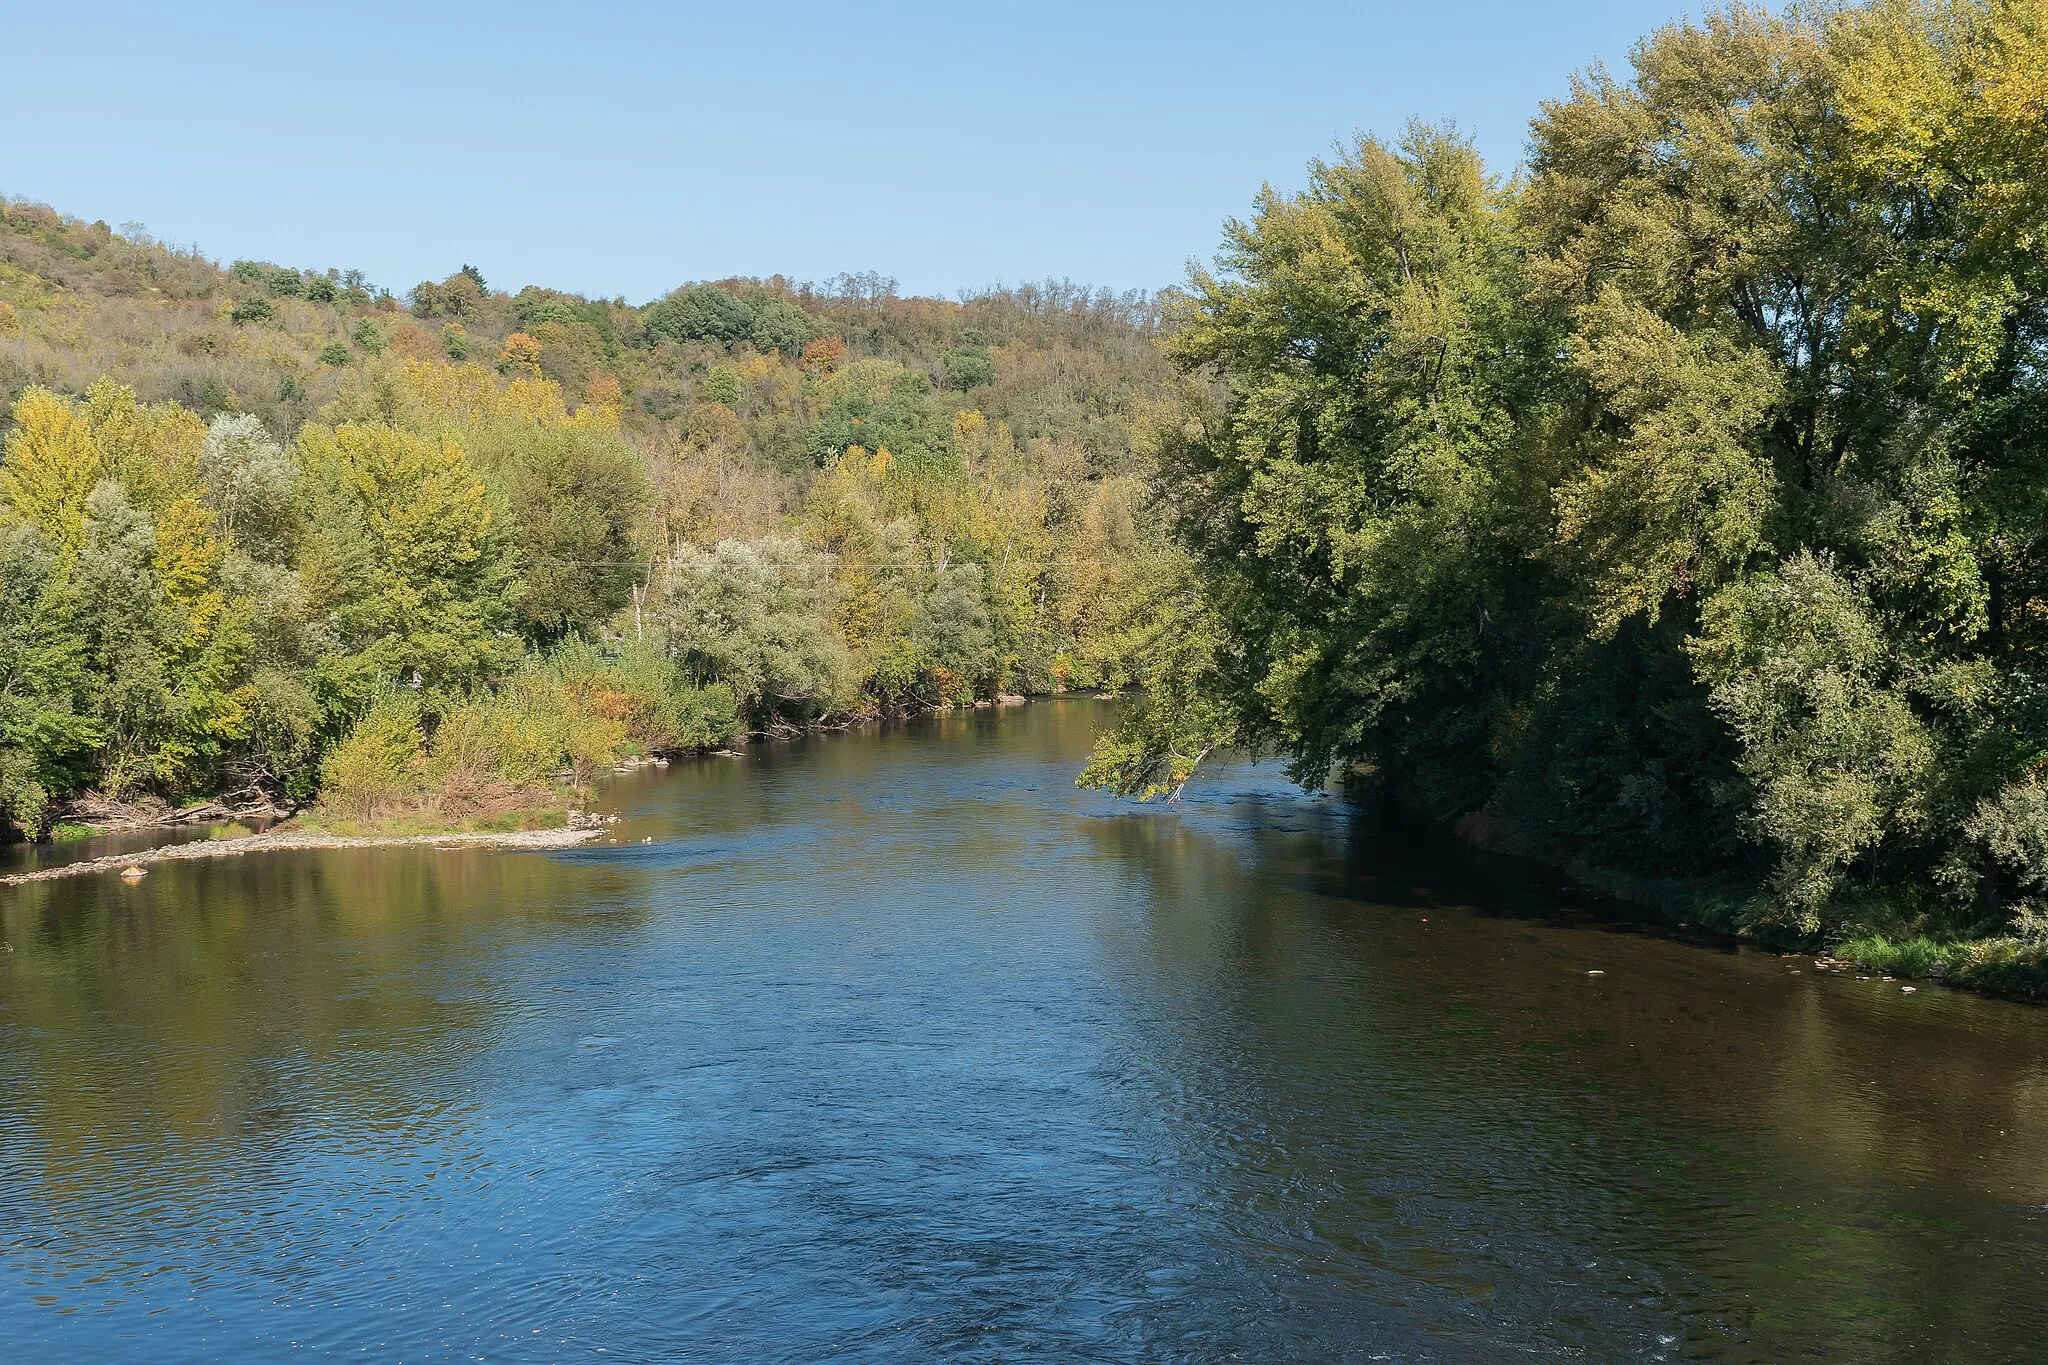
(1673, 508)
(1677, 507)
(275, 534)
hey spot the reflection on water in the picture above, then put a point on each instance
(895, 1046)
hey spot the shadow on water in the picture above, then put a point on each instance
(892, 1044)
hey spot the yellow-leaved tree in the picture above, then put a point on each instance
(111, 487)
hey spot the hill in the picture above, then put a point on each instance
(250, 509)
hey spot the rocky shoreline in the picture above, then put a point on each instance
(286, 840)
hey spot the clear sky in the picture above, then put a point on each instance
(623, 148)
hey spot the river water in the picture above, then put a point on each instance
(894, 1046)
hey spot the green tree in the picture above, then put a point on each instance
(575, 496)
(47, 729)
(251, 485)
(758, 617)
(407, 565)
(951, 629)
(698, 312)
(1680, 501)
(779, 325)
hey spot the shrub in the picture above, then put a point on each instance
(661, 709)
(378, 762)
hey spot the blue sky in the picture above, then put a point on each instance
(620, 149)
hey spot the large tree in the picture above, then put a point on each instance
(1679, 502)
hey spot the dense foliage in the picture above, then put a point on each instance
(273, 532)
(1678, 505)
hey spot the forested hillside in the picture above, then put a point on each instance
(273, 531)
(1679, 505)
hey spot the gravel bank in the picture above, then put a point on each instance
(263, 843)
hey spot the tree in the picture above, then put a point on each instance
(250, 485)
(1680, 503)
(520, 355)
(574, 496)
(406, 563)
(951, 631)
(967, 367)
(779, 325)
(758, 617)
(461, 295)
(698, 312)
(47, 729)
(121, 606)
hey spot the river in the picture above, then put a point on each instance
(891, 1045)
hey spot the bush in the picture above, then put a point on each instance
(661, 709)
(575, 712)
(2010, 966)
(378, 762)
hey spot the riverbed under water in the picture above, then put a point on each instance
(892, 1045)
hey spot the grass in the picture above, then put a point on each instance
(545, 813)
(70, 830)
(2013, 967)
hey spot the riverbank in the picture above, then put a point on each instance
(276, 841)
(2005, 966)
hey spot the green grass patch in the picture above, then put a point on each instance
(67, 831)
(2016, 968)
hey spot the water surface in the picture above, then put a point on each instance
(892, 1046)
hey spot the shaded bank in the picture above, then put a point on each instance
(2008, 966)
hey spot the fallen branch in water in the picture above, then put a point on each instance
(290, 840)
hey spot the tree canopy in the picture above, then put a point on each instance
(1677, 502)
